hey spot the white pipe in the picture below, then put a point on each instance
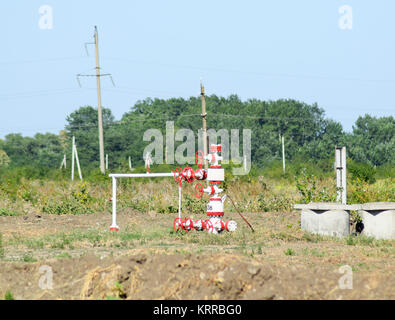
(114, 177)
(140, 175)
(114, 226)
(179, 200)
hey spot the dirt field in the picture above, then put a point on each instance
(147, 260)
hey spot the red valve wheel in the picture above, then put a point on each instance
(187, 223)
(177, 224)
(199, 190)
(199, 159)
(178, 174)
(209, 226)
(187, 178)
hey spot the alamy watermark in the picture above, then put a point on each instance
(45, 21)
(46, 280)
(345, 281)
(163, 147)
(345, 20)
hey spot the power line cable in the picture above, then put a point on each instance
(258, 73)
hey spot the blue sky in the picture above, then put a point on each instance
(255, 49)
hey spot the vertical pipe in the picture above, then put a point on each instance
(114, 226)
(179, 200)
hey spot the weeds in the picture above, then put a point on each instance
(7, 213)
(289, 252)
(29, 258)
(63, 255)
(8, 295)
(307, 185)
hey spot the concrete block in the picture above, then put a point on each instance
(327, 219)
(378, 219)
(326, 223)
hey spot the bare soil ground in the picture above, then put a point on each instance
(147, 260)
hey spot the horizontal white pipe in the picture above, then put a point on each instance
(140, 175)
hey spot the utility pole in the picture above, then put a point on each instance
(100, 116)
(63, 164)
(130, 163)
(98, 75)
(74, 155)
(204, 115)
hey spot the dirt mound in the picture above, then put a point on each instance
(278, 261)
(186, 276)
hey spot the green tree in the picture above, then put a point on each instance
(83, 124)
(4, 159)
(373, 140)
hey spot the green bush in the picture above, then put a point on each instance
(274, 203)
(306, 183)
(362, 171)
(66, 206)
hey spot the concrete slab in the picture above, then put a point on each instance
(378, 206)
(325, 218)
(327, 206)
(378, 219)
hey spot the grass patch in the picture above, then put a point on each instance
(314, 238)
(317, 253)
(63, 255)
(289, 252)
(29, 258)
(361, 240)
(284, 236)
(8, 295)
(4, 212)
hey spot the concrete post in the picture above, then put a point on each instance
(341, 180)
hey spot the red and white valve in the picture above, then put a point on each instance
(215, 207)
(212, 225)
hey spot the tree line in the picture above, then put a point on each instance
(308, 134)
